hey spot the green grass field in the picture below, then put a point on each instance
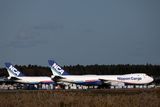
(81, 98)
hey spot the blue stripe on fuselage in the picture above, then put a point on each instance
(89, 83)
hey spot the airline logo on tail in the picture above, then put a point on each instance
(56, 69)
(12, 70)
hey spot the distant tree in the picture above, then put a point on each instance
(34, 70)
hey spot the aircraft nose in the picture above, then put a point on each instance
(151, 79)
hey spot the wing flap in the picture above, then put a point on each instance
(105, 81)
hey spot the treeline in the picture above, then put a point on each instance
(34, 70)
(153, 70)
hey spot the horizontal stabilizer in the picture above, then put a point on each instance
(14, 78)
(55, 78)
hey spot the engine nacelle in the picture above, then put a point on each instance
(117, 84)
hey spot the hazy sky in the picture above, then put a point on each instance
(80, 31)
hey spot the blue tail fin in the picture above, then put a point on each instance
(13, 72)
(56, 69)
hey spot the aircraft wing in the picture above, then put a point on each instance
(112, 82)
(105, 81)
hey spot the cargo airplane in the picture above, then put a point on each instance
(60, 75)
(16, 76)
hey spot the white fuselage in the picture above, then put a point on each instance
(137, 78)
(34, 80)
